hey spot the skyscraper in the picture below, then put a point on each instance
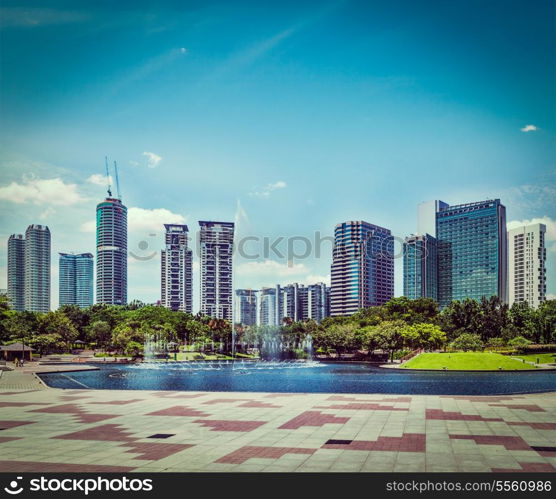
(245, 307)
(318, 301)
(111, 252)
(362, 267)
(269, 307)
(216, 248)
(472, 251)
(527, 264)
(16, 272)
(420, 265)
(176, 269)
(76, 279)
(37, 268)
(426, 216)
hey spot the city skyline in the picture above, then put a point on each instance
(287, 126)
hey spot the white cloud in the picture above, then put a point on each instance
(140, 219)
(266, 190)
(529, 128)
(98, 179)
(51, 191)
(152, 159)
(89, 226)
(183, 50)
(550, 235)
(271, 269)
(550, 296)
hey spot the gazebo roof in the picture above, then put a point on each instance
(16, 347)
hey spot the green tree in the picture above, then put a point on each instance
(390, 336)
(466, 342)
(424, 335)
(58, 323)
(99, 332)
(519, 341)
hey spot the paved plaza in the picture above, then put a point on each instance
(53, 430)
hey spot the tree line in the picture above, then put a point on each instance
(396, 327)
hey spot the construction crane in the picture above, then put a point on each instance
(117, 180)
(107, 177)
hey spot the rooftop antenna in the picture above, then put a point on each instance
(117, 180)
(107, 177)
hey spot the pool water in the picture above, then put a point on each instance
(300, 377)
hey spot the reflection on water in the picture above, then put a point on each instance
(300, 377)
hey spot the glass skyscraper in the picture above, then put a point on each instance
(216, 249)
(76, 279)
(16, 272)
(420, 264)
(472, 251)
(177, 270)
(362, 267)
(37, 268)
(111, 252)
(245, 307)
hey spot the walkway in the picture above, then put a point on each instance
(104, 430)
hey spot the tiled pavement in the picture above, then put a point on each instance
(103, 430)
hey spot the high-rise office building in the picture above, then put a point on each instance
(16, 272)
(37, 268)
(527, 264)
(245, 307)
(76, 279)
(362, 267)
(420, 267)
(177, 270)
(318, 301)
(472, 251)
(111, 252)
(216, 241)
(426, 216)
(269, 307)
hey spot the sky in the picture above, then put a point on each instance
(286, 117)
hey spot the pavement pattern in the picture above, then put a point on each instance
(53, 430)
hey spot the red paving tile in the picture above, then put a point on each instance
(312, 418)
(107, 432)
(481, 398)
(525, 407)
(35, 466)
(409, 442)
(256, 403)
(363, 407)
(225, 401)
(16, 393)
(119, 402)
(9, 439)
(6, 425)
(227, 425)
(178, 395)
(20, 404)
(536, 426)
(244, 453)
(154, 452)
(385, 400)
(276, 395)
(77, 411)
(179, 410)
(527, 467)
(510, 443)
(456, 416)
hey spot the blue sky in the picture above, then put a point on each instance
(287, 116)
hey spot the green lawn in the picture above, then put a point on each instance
(543, 358)
(465, 360)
